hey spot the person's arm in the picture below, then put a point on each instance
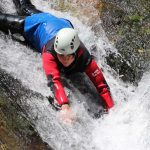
(96, 76)
(53, 76)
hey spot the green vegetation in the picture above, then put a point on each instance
(135, 17)
(8, 139)
(127, 25)
(15, 121)
(16, 132)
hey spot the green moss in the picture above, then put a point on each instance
(2, 102)
(16, 132)
(14, 119)
(135, 18)
(147, 31)
(8, 140)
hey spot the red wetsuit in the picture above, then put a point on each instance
(83, 63)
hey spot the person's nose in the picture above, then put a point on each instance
(66, 58)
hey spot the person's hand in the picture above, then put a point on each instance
(66, 114)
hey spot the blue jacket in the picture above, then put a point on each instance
(42, 27)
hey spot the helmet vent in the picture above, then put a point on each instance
(66, 41)
(72, 45)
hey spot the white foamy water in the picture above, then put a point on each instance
(126, 127)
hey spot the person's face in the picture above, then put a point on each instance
(66, 60)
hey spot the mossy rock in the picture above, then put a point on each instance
(127, 25)
(14, 119)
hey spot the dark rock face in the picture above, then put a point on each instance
(126, 24)
(15, 130)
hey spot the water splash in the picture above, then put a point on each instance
(126, 126)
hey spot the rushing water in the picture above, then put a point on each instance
(124, 128)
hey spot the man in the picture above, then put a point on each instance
(58, 42)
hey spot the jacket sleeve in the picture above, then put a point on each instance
(96, 76)
(53, 76)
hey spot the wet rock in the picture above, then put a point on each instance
(126, 24)
(16, 131)
(85, 10)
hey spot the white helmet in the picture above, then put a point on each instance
(66, 41)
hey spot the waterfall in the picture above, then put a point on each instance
(124, 128)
